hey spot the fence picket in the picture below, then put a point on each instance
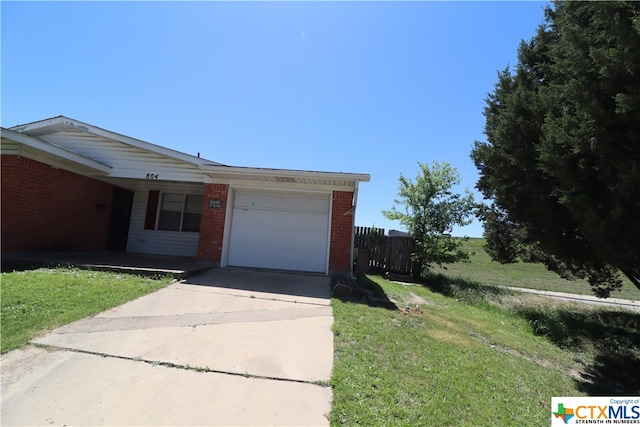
(386, 253)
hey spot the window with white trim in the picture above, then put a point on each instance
(180, 212)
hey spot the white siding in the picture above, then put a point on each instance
(155, 241)
(127, 161)
(9, 147)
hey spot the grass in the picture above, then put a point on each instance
(463, 353)
(523, 275)
(473, 355)
(39, 300)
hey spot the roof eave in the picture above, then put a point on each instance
(85, 127)
(55, 150)
(290, 173)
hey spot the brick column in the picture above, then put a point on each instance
(212, 223)
(341, 231)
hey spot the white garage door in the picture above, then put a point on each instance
(279, 230)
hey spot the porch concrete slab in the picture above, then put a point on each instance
(69, 388)
(179, 267)
(193, 353)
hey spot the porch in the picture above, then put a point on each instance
(179, 267)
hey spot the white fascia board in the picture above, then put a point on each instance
(292, 173)
(56, 150)
(85, 127)
(276, 186)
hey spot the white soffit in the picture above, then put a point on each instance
(284, 176)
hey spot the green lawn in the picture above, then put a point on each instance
(523, 275)
(40, 300)
(463, 354)
(473, 355)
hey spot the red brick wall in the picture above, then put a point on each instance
(341, 230)
(50, 209)
(212, 223)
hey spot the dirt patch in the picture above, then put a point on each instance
(416, 299)
(411, 303)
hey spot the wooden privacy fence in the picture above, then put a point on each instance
(373, 251)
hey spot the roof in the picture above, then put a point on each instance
(62, 123)
(212, 172)
(58, 154)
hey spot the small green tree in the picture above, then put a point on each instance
(430, 210)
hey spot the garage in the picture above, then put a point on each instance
(280, 230)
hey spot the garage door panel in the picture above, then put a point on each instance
(280, 220)
(287, 259)
(279, 230)
(257, 201)
(279, 238)
(309, 204)
(281, 202)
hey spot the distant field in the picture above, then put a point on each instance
(534, 276)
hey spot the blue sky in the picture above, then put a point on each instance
(366, 87)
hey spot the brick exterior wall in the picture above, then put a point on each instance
(212, 224)
(341, 231)
(50, 209)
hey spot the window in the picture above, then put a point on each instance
(192, 213)
(180, 212)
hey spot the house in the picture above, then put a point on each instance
(72, 186)
(398, 233)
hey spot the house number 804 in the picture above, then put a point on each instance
(152, 176)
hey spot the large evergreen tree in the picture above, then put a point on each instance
(561, 165)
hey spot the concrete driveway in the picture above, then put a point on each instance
(227, 347)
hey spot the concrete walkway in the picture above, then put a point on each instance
(226, 347)
(622, 304)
